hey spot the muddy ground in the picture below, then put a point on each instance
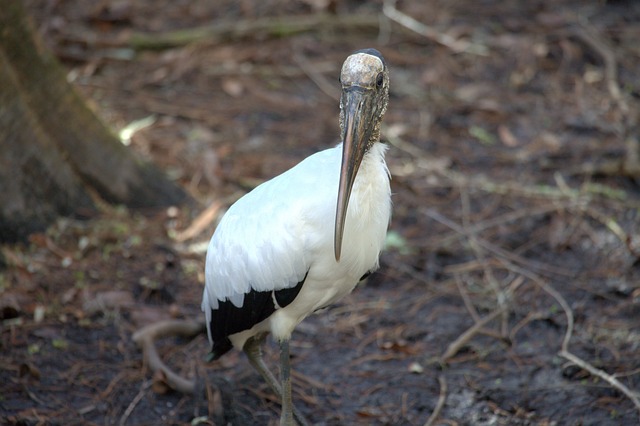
(509, 293)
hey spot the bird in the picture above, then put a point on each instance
(299, 242)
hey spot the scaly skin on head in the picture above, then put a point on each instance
(362, 69)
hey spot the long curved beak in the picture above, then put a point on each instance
(358, 108)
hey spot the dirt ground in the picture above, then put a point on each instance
(509, 293)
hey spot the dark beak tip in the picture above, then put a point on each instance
(337, 245)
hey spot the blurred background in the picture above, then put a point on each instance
(509, 292)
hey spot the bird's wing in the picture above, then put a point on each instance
(263, 241)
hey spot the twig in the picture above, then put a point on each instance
(255, 28)
(134, 402)
(630, 164)
(112, 384)
(200, 223)
(582, 195)
(587, 34)
(466, 299)
(455, 346)
(457, 46)
(506, 218)
(627, 373)
(481, 255)
(612, 225)
(441, 401)
(145, 338)
(505, 258)
(531, 316)
(329, 89)
(550, 291)
(500, 252)
(564, 349)
(603, 375)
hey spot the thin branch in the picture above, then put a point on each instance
(551, 292)
(200, 223)
(455, 346)
(457, 46)
(499, 251)
(480, 254)
(281, 26)
(320, 80)
(506, 258)
(441, 401)
(589, 35)
(630, 164)
(564, 351)
(612, 225)
(466, 299)
(582, 195)
(633, 396)
(132, 405)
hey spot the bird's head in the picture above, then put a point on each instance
(365, 96)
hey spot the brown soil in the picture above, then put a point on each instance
(516, 201)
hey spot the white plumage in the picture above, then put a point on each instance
(272, 236)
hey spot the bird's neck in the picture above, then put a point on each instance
(375, 134)
(373, 162)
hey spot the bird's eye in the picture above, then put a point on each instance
(379, 80)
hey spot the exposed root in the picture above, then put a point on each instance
(145, 338)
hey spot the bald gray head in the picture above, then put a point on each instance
(366, 70)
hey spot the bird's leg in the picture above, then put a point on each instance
(253, 349)
(286, 419)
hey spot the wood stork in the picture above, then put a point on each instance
(278, 254)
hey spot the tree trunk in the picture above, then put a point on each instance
(54, 151)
